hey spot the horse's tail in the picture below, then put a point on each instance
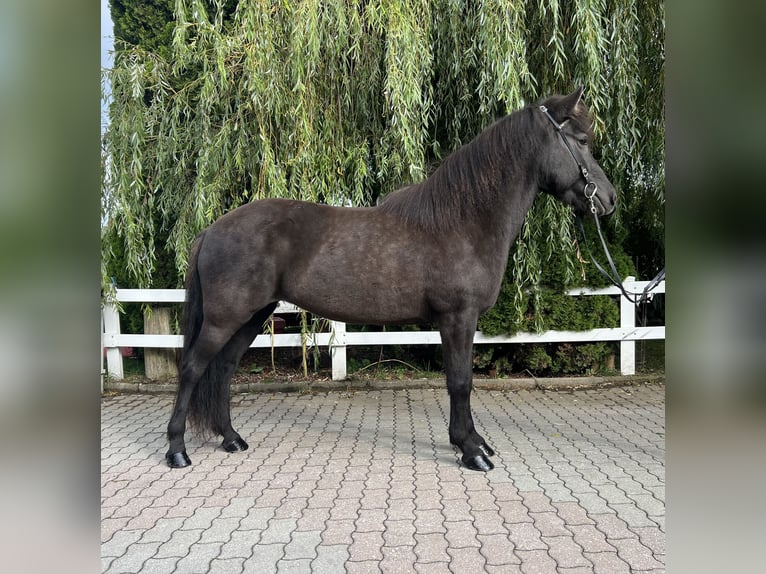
(208, 408)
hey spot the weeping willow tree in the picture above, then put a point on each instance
(342, 101)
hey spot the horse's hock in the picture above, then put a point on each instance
(159, 364)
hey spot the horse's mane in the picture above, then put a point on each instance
(467, 183)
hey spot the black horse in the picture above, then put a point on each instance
(431, 252)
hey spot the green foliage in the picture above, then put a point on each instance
(525, 306)
(529, 307)
(343, 101)
(132, 320)
(550, 359)
(150, 23)
(575, 359)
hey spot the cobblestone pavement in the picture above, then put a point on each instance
(367, 482)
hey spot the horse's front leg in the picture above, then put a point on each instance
(457, 333)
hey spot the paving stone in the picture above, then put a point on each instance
(338, 532)
(365, 567)
(482, 500)
(399, 533)
(462, 534)
(291, 507)
(313, 519)
(264, 559)
(257, 518)
(198, 560)
(497, 549)
(398, 559)
(631, 551)
(513, 511)
(240, 544)
(303, 545)
(345, 508)
(366, 546)
(336, 483)
(133, 561)
(429, 500)
(159, 566)
(654, 539)
(607, 563)
(201, 519)
(119, 543)
(431, 548)
(429, 521)
(549, 524)
(526, 537)
(536, 561)
(370, 520)
(489, 522)
(566, 552)
(649, 504)
(300, 566)
(432, 567)
(279, 531)
(590, 539)
(504, 569)
(578, 570)
(465, 560)
(537, 502)
(330, 559)
(593, 503)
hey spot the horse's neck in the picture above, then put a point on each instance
(511, 189)
(515, 198)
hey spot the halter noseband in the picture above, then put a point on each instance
(590, 185)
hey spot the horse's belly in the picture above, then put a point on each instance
(372, 298)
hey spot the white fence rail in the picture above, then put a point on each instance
(338, 339)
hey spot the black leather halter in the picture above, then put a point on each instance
(590, 186)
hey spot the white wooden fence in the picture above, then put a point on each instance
(338, 339)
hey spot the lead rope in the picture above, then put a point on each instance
(614, 277)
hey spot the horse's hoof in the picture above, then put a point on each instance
(478, 462)
(177, 459)
(486, 449)
(237, 445)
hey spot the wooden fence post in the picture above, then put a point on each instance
(627, 321)
(338, 350)
(159, 364)
(112, 327)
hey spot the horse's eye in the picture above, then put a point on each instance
(582, 141)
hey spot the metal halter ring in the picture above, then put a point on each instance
(591, 196)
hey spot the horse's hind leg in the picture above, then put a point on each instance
(204, 386)
(193, 367)
(232, 354)
(457, 333)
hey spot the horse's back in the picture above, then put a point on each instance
(352, 264)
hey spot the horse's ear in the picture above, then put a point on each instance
(569, 103)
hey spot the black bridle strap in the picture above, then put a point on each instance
(559, 127)
(589, 183)
(614, 276)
